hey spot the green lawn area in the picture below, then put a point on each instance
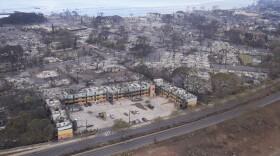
(246, 59)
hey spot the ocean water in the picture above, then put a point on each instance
(115, 7)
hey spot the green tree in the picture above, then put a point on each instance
(93, 37)
(121, 126)
(66, 38)
(158, 121)
(224, 84)
(27, 100)
(175, 113)
(13, 54)
(17, 125)
(47, 40)
(166, 30)
(145, 70)
(177, 40)
(40, 130)
(273, 61)
(122, 32)
(120, 44)
(184, 74)
(20, 18)
(167, 18)
(165, 74)
(27, 125)
(142, 47)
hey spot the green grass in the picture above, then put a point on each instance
(246, 59)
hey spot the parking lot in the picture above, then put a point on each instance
(120, 110)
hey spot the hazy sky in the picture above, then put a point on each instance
(100, 3)
(121, 7)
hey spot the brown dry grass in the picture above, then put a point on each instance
(255, 133)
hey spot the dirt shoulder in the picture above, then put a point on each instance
(255, 133)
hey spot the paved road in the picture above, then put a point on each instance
(70, 147)
(146, 140)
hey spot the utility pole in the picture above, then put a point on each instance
(129, 116)
(52, 28)
(140, 85)
(86, 129)
(78, 57)
(77, 77)
(75, 42)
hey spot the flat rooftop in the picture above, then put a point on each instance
(118, 88)
(179, 92)
(58, 114)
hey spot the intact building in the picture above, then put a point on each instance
(175, 94)
(110, 94)
(130, 90)
(63, 125)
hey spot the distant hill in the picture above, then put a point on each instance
(23, 18)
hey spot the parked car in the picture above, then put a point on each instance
(145, 119)
(89, 125)
(126, 114)
(133, 112)
(151, 106)
(112, 116)
(89, 104)
(136, 99)
(138, 121)
(133, 122)
(137, 112)
(78, 119)
(86, 105)
(183, 106)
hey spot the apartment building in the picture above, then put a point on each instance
(63, 125)
(110, 94)
(130, 90)
(159, 87)
(175, 94)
